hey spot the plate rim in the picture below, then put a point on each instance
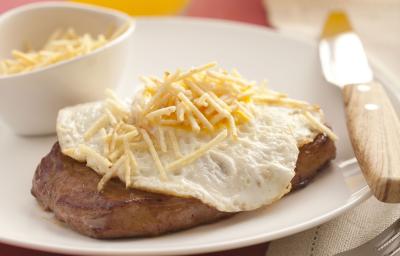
(360, 196)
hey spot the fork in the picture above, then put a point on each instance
(385, 244)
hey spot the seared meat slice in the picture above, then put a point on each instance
(312, 158)
(69, 189)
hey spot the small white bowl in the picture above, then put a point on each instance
(29, 102)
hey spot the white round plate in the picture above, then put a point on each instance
(291, 65)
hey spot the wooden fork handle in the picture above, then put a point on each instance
(374, 130)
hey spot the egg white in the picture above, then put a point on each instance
(241, 175)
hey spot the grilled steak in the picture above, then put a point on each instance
(312, 158)
(69, 189)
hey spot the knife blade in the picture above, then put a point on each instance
(372, 122)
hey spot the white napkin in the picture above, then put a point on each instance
(350, 230)
(378, 24)
(376, 21)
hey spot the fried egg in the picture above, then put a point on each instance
(241, 174)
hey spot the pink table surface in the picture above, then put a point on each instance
(250, 11)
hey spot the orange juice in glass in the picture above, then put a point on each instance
(142, 7)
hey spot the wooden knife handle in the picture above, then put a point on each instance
(374, 130)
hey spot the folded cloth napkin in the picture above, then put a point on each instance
(348, 231)
(378, 23)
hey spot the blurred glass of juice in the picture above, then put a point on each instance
(142, 7)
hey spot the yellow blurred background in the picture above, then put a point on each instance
(142, 7)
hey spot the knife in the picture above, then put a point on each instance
(372, 123)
